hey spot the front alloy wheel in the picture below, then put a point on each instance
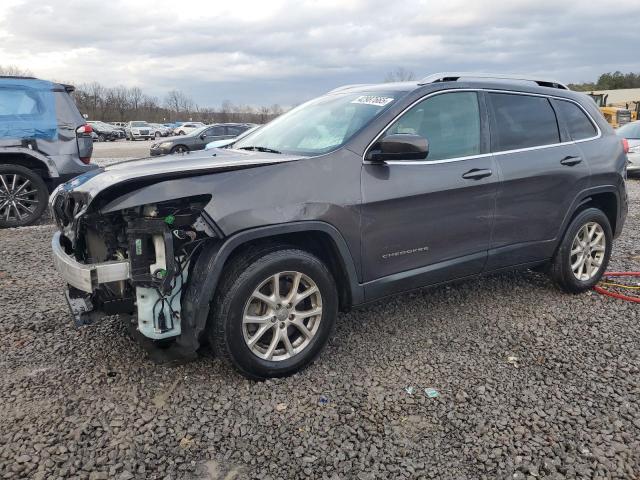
(274, 311)
(282, 316)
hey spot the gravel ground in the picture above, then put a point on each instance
(532, 384)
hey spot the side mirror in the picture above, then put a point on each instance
(399, 146)
(203, 136)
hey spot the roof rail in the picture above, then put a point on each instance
(347, 87)
(455, 76)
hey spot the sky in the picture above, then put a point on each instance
(262, 52)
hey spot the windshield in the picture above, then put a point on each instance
(321, 125)
(139, 124)
(630, 130)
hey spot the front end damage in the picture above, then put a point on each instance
(133, 262)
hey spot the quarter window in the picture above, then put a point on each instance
(235, 130)
(450, 122)
(577, 122)
(522, 121)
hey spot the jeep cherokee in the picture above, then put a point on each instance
(367, 191)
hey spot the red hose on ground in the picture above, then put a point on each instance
(620, 296)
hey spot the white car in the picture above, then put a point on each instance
(138, 129)
(187, 127)
(631, 131)
(160, 130)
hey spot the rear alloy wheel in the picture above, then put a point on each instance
(584, 253)
(157, 135)
(274, 312)
(102, 138)
(23, 196)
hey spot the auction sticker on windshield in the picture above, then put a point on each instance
(373, 100)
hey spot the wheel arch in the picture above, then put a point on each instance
(316, 237)
(214, 257)
(28, 159)
(605, 198)
(176, 147)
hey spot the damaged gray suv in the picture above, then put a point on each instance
(367, 191)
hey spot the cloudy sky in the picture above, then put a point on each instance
(262, 52)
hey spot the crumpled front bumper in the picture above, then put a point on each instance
(86, 277)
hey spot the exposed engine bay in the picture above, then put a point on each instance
(148, 250)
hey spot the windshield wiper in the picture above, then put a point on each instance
(260, 149)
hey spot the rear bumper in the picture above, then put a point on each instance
(86, 277)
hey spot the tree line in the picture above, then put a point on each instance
(609, 81)
(121, 104)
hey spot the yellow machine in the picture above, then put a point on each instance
(635, 112)
(616, 116)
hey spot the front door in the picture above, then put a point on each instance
(428, 221)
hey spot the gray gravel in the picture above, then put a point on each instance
(533, 384)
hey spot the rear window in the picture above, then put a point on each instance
(522, 121)
(630, 131)
(577, 122)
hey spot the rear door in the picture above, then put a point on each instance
(425, 222)
(542, 172)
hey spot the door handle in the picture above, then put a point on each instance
(477, 173)
(570, 161)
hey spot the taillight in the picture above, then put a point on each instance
(86, 128)
(625, 145)
(85, 143)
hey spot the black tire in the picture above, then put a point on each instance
(560, 269)
(102, 138)
(37, 202)
(179, 149)
(241, 277)
(157, 135)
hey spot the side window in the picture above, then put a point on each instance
(577, 122)
(522, 121)
(235, 130)
(450, 122)
(215, 131)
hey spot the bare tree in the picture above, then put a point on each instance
(400, 74)
(135, 97)
(14, 71)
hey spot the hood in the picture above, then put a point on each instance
(171, 166)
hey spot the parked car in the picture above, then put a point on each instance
(160, 130)
(230, 141)
(44, 141)
(631, 133)
(197, 139)
(105, 132)
(367, 191)
(187, 127)
(138, 129)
